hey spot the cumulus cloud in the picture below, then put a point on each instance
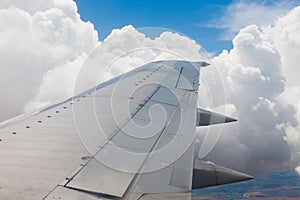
(297, 169)
(127, 48)
(255, 73)
(57, 84)
(253, 81)
(240, 14)
(285, 36)
(247, 83)
(37, 37)
(51, 43)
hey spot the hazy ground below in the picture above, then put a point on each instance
(280, 185)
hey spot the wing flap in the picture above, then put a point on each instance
(121, 157)
(70, 194)
(97, 178)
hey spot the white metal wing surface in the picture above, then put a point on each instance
(129, 138)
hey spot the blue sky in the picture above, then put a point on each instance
(212, 23)
(188, 17)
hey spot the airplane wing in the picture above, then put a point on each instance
(129, 138)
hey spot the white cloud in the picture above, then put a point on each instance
(255, 74)
(253, 83)
(68, 7)
(297, 169)
(36, 37)
(243, 13)
(45, 43)
(126, 48)
(285, 36)
(57, 84)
